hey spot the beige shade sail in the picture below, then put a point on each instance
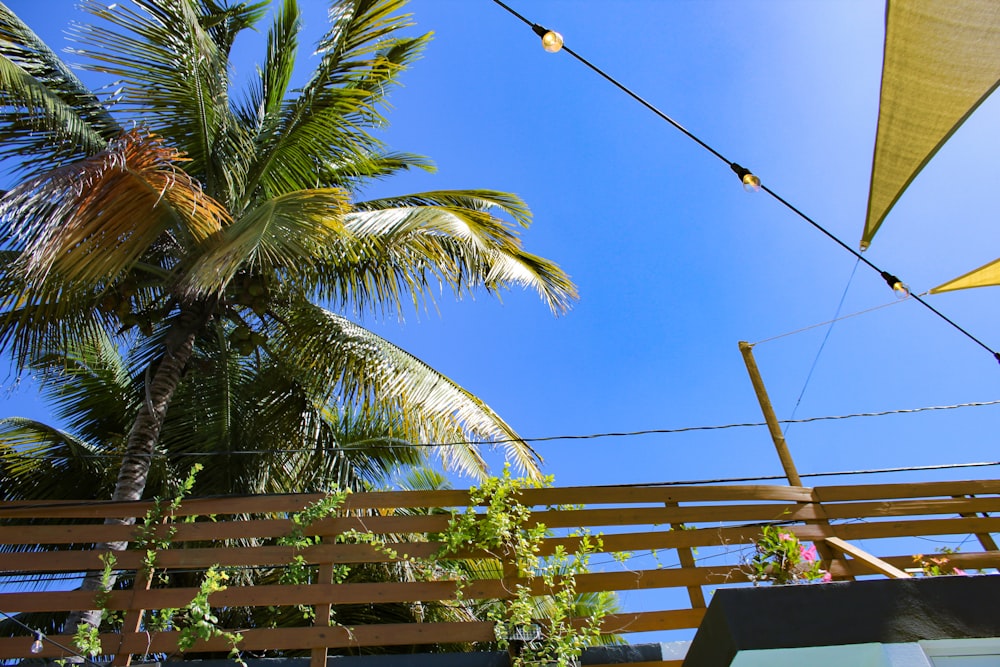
(942, 59)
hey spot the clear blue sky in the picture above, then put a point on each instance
(674, 262)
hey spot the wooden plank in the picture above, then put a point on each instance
(322, 612)
(76, 561)
(985, 539)
(856, 510)
(625, 516)
(276, 504)
(685, 556)
(622, 516)
(827, 494)
(280, 503)
(596, 495)
(981, 560)
(650, 621)
(361, 593)
(875, 563)
(922, 527)
(395, 634)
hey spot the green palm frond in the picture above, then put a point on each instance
(342, 360)
(223, 22)
(473, 200)
(49, 114)
(269, 90)
(39, 462)
(286, 235)
(332, 116)
(356, 169)
(34, 322)
(403, 252)
(357, 47)
(174, 76)
(91, 388)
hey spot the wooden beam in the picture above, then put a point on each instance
(876, 564)
(686, 557)
(773, 427)
(985, 539)
(910, 490)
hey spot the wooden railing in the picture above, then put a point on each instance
(701, 536)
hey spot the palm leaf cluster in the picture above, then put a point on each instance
(177, 242)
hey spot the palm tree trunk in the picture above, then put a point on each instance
(163, 378)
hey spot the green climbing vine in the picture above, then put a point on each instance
(197, 622)
(299, 571)
(535, 629)
(88, 637)
(194, 621)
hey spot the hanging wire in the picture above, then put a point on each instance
(822, 345)
(40, 636)
(548, 438)
(743, 173)
(823, 324)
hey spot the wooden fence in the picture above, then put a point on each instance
(852, 525)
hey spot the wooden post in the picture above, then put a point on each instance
(686, 557)
(322, 612)
(778, 438)
(133, 618)
(772, 420)
(985, 539)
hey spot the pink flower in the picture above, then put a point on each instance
(809, 554)
(785, 537)
(956, 570)
(827, 577)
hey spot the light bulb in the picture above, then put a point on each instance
(751, 183)
(900, 289)
(552, 41)
(36, 646)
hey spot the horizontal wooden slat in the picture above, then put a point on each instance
(594, 495)
(829, 494)
(360, 593)
(396, 634)
(885, 529)
(247, 505)
(857, 510)
(234, 530)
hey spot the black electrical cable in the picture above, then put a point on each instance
(44, 637)
(742, 172)
(548, 438)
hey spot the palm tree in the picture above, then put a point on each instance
(233, 219)
(174, 211)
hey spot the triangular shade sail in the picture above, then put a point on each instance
(984, 276)
(942, 59)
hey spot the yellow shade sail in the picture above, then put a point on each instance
(942, 59)
(984, 276)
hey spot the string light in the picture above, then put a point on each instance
(552, 41)
(899, 288)
(37, 646)
(752, 183)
